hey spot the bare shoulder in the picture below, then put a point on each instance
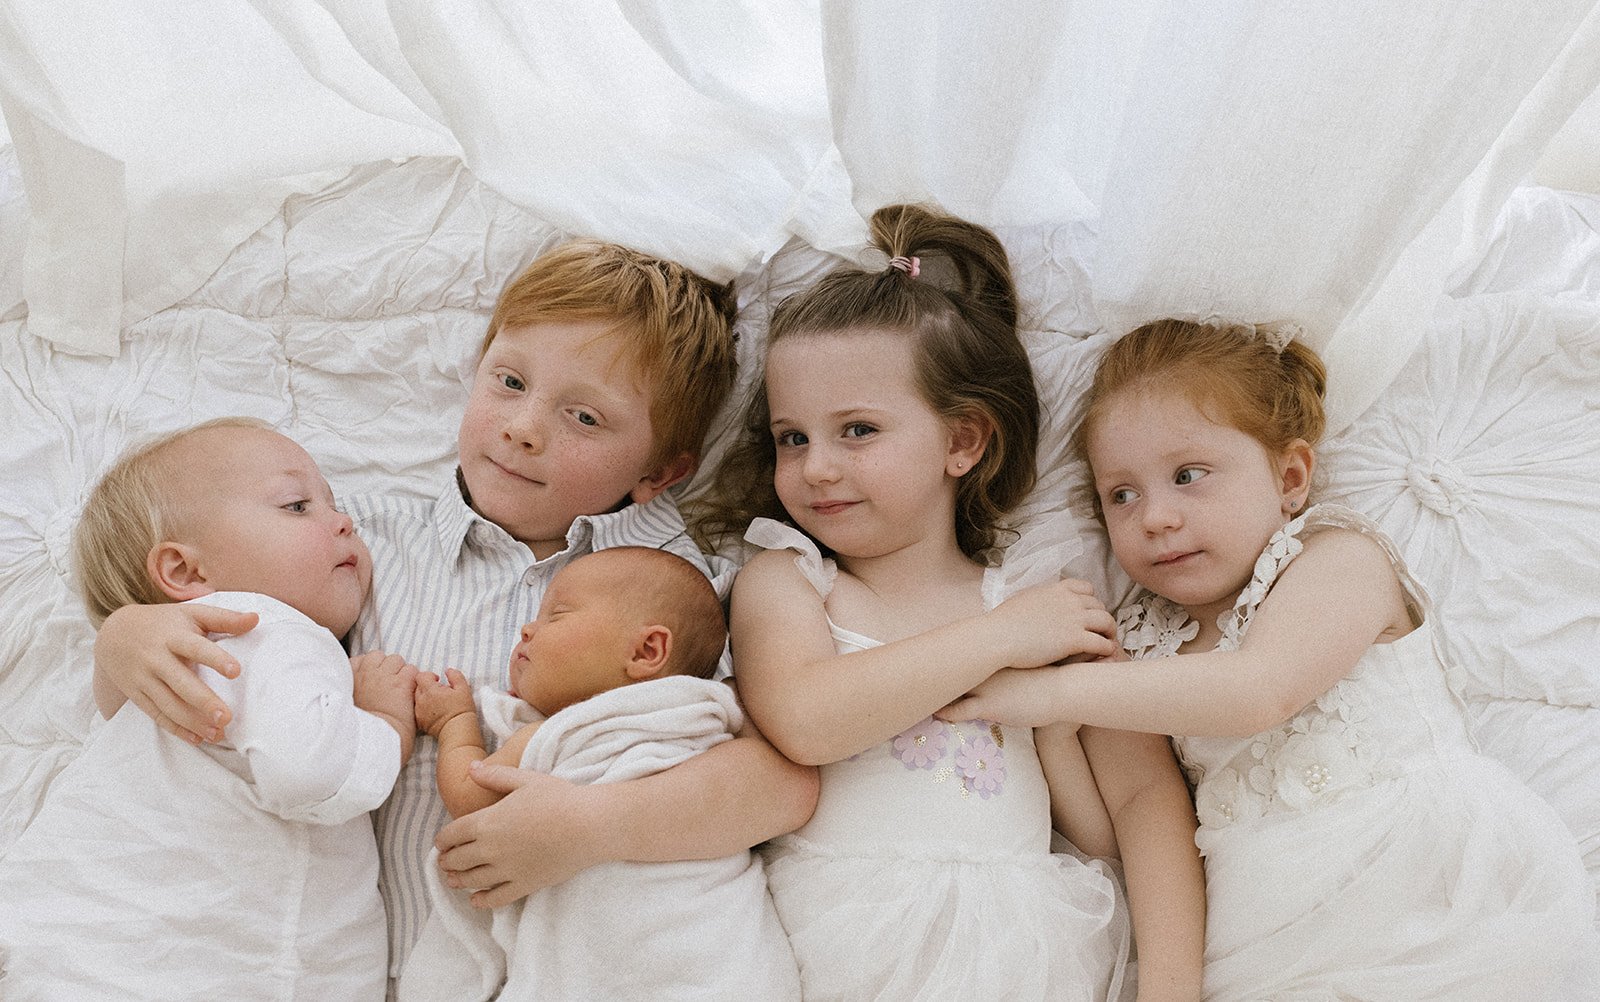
(767, 571)
(1346, 565)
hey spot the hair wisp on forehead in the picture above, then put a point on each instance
(970, 363)
(1232, 373)
(674, 326)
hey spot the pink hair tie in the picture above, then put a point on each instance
(910, 265)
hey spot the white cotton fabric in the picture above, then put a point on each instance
(922, 875)
(157, 870)
(702, 929)
(1363, 848)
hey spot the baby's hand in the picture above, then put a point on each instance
(438, 701)
(384, 684)
(1055, 620)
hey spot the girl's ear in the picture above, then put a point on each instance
(1295, 466)
(175, 569)
(651, 648)
(969, 439)
(668, 474)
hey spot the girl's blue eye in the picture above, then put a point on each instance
(1122, 495)
(858, 429)
(511, 382)
(791, 438)
(1188, 475)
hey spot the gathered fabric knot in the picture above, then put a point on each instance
(1439, 485)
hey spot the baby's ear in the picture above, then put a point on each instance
(651, 649)
(175, 569)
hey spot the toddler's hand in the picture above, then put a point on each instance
(1011, 696)
(1055, 620)
(384, 685)
(437, 702)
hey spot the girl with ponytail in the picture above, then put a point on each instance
(894, 430)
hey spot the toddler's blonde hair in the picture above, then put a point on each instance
(133, 507)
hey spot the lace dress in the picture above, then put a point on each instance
(1363, 849)
(926, 871)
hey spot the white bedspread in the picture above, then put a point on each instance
(702, 929)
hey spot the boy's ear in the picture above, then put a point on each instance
(175, 569)
(651, 648)
(969, 439)
(1295, 466)
(665, 476)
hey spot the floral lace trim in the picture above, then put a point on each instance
(1315, 757)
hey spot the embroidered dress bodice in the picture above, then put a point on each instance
(926, 871)
(1391, 714)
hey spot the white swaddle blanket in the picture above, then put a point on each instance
(702, 929)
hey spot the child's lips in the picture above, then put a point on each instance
(832, 507)
(508, 471)
(1175, 557)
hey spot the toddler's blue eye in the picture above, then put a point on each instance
(1188, 475)
(858, 429)
(791, 438)
(1122, 495)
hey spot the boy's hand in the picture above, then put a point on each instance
(148, 653)
(437, 702)
(384, 686)
(1048, 622)
(539, 835)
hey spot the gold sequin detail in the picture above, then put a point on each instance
(999, 738)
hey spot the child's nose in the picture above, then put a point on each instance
(1161, 514)
(819, 467)
(344, 523)
(527, 632)
(527, 430)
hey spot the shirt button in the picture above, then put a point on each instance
(530, 577)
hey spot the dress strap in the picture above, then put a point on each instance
(770, 534)
(1286, 544)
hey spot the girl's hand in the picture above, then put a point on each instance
(148, 654)
(1012, 696)
(438, 702)
(1053, 621)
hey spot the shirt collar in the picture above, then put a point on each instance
(653, 524)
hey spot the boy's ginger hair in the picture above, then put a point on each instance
(134, 506)
(674, 326)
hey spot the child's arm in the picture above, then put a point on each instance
(1338, 598)
(819, 706)
(1076, 807)
(147, 653)
(718, 803)
(446, 712)
(1154, 820)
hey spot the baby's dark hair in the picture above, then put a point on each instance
(969, 358)
(1231, 372)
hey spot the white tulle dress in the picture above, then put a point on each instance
(1363, 849)
(926, 871)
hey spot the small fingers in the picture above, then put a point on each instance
(146, 706)
(188, 704)
(457, 680)
(213, 619)
(495, 897)
(197, 650)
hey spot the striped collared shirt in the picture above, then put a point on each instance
(451, 589)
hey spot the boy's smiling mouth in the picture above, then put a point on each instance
(508, 471)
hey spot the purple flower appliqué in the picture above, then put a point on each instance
(921, 746)
(982, 766)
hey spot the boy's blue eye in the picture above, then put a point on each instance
(511, 382)
(858, 429)
(791, 438)
(1188, 475)
(587, 419)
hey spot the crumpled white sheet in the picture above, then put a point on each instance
(351, 320)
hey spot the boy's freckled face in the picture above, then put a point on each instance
(263, 520)
(557, 426)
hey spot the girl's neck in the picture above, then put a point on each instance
(911, 568)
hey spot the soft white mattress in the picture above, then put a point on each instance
(351, 320)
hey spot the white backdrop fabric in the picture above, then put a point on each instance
(1323, 164)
